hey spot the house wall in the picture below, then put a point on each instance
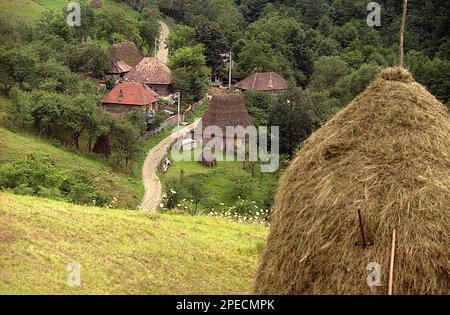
(162, 90)
(120, 110)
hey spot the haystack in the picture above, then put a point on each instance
(127, 52)
(226, 110)
(387, 154)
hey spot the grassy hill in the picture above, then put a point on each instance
(34, 8)
(121, 252)
(127, 189)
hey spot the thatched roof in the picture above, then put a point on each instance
(387, 154)
(226, 110)
(119, 67)
(150, 71)
(263, 81)
(131, 93)
(127, 52)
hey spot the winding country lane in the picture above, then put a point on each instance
(152, 184)
(163, 51)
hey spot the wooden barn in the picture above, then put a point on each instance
(129, 96)
(154, 73)
(270, 82)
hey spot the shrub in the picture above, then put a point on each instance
(38, 176)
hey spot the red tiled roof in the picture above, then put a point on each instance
(119, 67)
(150, 71)
(130, 93)
(263, 81)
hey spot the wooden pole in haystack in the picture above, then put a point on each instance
(391, 266)
(402, 33)
(361, 227)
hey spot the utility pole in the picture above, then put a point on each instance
(179, 117)
(230, 69)
(402, 32)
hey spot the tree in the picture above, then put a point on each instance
(79, 114)
(149, 26)
(294, 114)
(260, 56)
(195, 189)
(258, 106)
(189, 72)
(114, 25)
(87, 27)
(182, 36)
(52, 76)
(327, 71)
(211, 36)
(16, 66)
(47, 112)
(124, 140)
(90, 57)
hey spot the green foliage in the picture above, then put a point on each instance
(210, 35)
(294, 114)
(149, 26)
(16, 66)
(115, 25)
(38, 176)
(189, 73)
(90, 57)
(258, 105)
(181, 36)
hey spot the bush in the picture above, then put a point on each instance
(38, 176)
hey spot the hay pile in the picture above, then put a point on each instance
(388, 155)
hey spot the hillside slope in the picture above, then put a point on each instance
(121, 252)
(128, 190)
(34, 8)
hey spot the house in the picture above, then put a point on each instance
(119, 68)
(129, 96)
(126, 52)
(154, 73)
(270, 82)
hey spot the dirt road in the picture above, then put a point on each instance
(152, 184)
(163, 52)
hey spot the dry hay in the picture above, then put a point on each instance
(127, 52)
(388, 155)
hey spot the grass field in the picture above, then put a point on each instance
(220, 182)
(121, 252)
(34, 8)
